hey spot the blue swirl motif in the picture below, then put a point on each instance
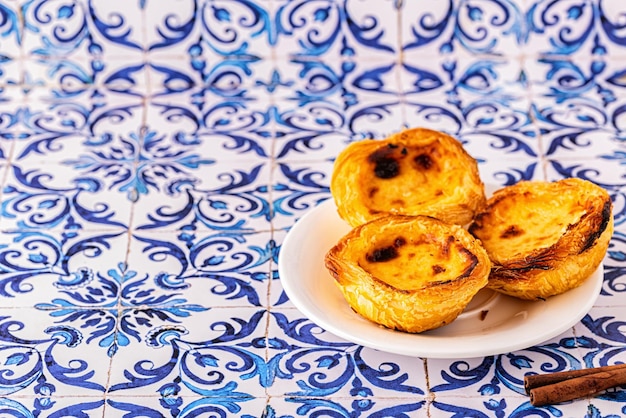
(37, 205)
(44, 132)
(568, 81)
(141, 161)
(572, 24)
(228, 27)
(330, 367)
(115, 305)
(508, 373)
(615, 265)
(30, 365)
(227, 208)
(319, 25)
(477, 29)
(31, 255)
(210, 368)
(306, 188)
(10, 31)
(304, 129)
(216, 257)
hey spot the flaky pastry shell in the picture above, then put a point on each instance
(544, 238)
(415, 172)
(408, 273)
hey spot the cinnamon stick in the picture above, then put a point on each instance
(536, 380)
(579, 386)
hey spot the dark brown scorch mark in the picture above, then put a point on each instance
(385, 165)
(438, 269)
(424, 161)
(512, 231)
(386, 253)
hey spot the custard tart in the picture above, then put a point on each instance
(408, 273)
(544, 238)
(414, 172)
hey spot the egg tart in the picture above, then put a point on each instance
(408, 273)
(414, 172)
(544, 238)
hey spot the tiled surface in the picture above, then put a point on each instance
(154, 154)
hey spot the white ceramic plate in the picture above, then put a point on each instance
(509, 324)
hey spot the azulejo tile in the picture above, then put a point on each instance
(172, 405)
(311, 363)
(495, 28)
(193, 270)
(42, 358)
(51, 405)
(502, 375)
(226, 195)
(335, 28)
(48, 197)
(77, 263)
(316, 130)
(614, 269)
(221, 354)
(567, 28)
(347, 406)
(508, 171)
(297, 187)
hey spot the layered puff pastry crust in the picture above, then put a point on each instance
(544, 238)
(415, 172)
(408, 273)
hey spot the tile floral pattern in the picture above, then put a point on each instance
(154, 154)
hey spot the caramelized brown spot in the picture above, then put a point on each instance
(438, 269)
(399, 242)
(512, 231)
(382, 254)
(386, 166)
(424, 161)
(372, 192)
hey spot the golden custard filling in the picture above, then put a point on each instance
(409, 264)
(536, 224)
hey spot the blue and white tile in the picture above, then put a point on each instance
(232, 129)
(507, 171)
(46, 358)
(52, 197)
(493, 28)
(502, 375)
(171, 28)
(297, 187)
(200, 270)
(220, 353)
(575, 28)
(504, 406)
(237, 28)
(329, 28)
(50, 405)
(213, 404)
(313, 131)
(225, 195)
(62, 271)
(57, 29)
(310, 362)
(349, 406)
(117, 32)
(614, 264)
